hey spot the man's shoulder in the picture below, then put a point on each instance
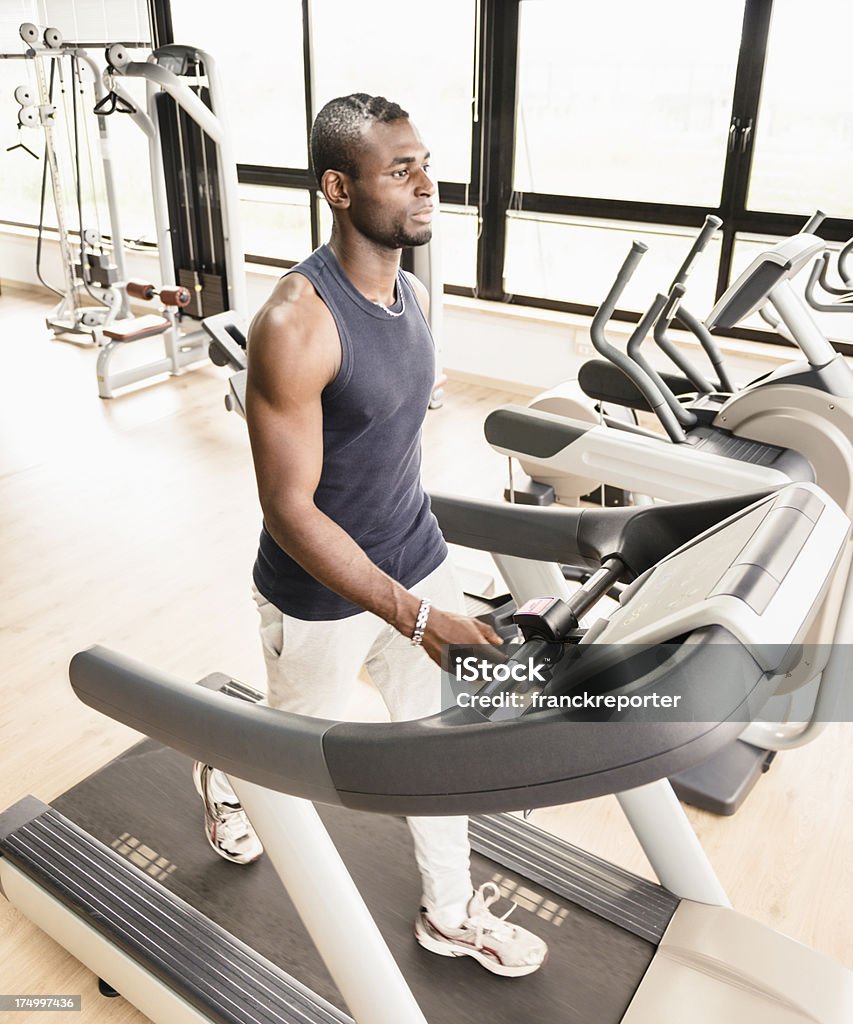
(293, 300)
(293, 339)
(293, 310)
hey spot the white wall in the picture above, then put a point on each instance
(534, 349)
(523, 349)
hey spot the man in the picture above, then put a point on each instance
(352, 569)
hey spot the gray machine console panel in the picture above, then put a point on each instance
(753, 287)
(760, 576)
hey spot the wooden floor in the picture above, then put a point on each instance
(133, 523)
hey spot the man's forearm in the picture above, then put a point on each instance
(333, 558)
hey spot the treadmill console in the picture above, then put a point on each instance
(759, 575)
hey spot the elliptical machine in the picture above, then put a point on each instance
(795, 423)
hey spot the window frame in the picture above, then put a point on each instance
(489, 188)
(499, 45)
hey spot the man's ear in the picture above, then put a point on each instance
(335, 186)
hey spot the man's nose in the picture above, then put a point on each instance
(426, 186)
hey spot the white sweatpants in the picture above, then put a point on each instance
(312, 667)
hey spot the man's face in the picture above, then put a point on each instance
(392, 200)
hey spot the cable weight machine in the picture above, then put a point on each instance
(195, 200)
(194, 189)
(92, 296)
(193, 173)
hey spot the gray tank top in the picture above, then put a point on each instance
(373, 412)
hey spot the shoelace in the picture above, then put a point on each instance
(233, 826)
(486, 921)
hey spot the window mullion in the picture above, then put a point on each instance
(745, 101)
(160, 17)
(499, 58)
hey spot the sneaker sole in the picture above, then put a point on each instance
(484, 959)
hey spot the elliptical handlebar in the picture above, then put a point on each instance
(666, 345)
(626, 272)
(813, 223)
(822, 265)
(711, 224)
(673, 301)
(674, 308)
(818, 276)
(820, 270)
(646, 385)
(651, 317)
(844, 272)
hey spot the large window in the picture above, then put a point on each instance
(803, 156)
(275, 221)
(625, 101)
(85, 22)
(578, 258)
(422, 58)
(258, 52)
(559, 129)
(267, 105)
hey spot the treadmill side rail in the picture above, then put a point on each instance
(164, 956)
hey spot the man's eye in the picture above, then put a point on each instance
(400, 174)
(426, 168)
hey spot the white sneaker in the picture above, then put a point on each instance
(500, 947)
(226, 825)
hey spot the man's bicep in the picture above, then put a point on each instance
(287, 448)
(285, 418)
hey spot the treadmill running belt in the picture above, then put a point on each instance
(145, 807)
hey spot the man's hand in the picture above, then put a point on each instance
(445, 628)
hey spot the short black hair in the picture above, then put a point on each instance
(337, 130)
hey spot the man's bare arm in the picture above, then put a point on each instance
(294, 354)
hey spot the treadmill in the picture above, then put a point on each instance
(719, 594)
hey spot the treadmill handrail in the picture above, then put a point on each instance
(711, 224)
(639, 535)
(466, 763)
